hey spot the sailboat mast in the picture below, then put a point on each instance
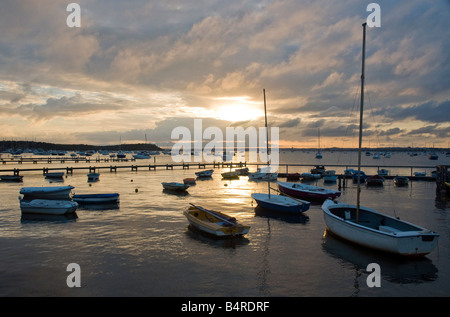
(267, 140)
(361, 122)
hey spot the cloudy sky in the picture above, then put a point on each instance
(138, 69)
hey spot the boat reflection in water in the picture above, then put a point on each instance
(394, 269)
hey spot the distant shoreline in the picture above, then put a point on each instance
(6, 145)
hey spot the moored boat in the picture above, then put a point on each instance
(370, 228)
(378, 231)
(308, 192)
(96, 198)
(175, 186)
(93, 177)
(214, 223)
(401, 181)
(207, 173)
(46, 206)
(281, 203)
(375, 180)
(50, 192)
(11, 178)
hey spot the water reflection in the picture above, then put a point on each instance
(30, 218)
(394, 269)
(200, 236)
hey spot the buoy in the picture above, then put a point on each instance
(136, 190)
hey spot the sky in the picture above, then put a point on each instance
(135, 70)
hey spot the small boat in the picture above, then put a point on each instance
(142, 156)
(401, 181)
(93, 177)
(278, 203)
(433, 156)
(370, 228)
(50, 207)
(260, 175)
(242, 171)
(55, 175)
(55, 192)
(96, 198)
(214, 223)
(375, 180)
(189, 181)
(308, 192)
(330, 176)
(175, 186)
(207, 173)
(11, 178)
(230, 175)
(281, 203)
(420, 174)
(310, 176)
(383, 172)
(362, 177)
(318, 169)
(378, 231)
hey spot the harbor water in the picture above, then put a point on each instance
(144, 247)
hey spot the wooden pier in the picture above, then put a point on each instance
(114, 168)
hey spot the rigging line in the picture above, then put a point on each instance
(351, 119)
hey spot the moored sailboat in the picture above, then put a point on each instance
(369, 228)
(277, 202)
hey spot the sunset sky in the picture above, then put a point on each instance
(137, 69)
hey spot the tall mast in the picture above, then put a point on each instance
(267, 141)
(361, 123)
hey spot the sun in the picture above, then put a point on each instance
(236, 109)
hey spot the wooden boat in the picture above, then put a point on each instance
(11, 178)
(214, 223)
(242, 171)
(189, 181)
(175, 186)
(275, 202)
(55, 192)
(383, 172)
(230, 175)
(49, 207)
(207, 173)
(370, 228)
(375, 180)
(308, 192)
(96, 198)
(401, 181)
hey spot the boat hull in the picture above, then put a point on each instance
(48, 207)
(281, 203)
(96, 198)
(398, 237)
(307, 192)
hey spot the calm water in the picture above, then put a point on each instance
(144, 247)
